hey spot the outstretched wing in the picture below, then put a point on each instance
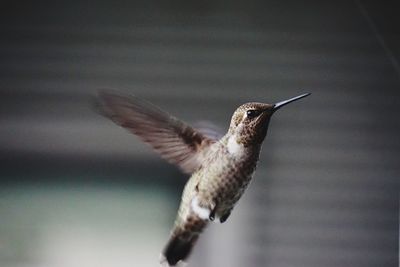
(176, 141)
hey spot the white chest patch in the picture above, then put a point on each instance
(234, 147)
(203, 213)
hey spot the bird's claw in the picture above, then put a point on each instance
(212, 213)
(224, 217)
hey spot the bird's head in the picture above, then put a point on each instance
(249, 123)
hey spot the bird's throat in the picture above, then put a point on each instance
(235, 148)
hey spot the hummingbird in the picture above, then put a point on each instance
(220, 167)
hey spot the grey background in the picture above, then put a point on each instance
(77, 190)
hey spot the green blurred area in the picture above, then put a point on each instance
(68, 225)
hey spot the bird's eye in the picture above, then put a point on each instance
(252, 113)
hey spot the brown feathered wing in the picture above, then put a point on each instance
(176, 141)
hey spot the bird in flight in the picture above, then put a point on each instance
(220, 167)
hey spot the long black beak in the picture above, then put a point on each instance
(285, 102)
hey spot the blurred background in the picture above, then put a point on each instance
(78, 191)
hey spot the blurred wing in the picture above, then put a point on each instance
(209, 130)
(176, 141)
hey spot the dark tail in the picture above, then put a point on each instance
(182, 241)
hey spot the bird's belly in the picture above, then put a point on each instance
(224, 185)
(230, 192)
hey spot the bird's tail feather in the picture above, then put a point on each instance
(182, 240)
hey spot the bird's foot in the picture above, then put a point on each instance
(212, 213)
(224, 217)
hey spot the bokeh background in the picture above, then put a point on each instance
(78, 191)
